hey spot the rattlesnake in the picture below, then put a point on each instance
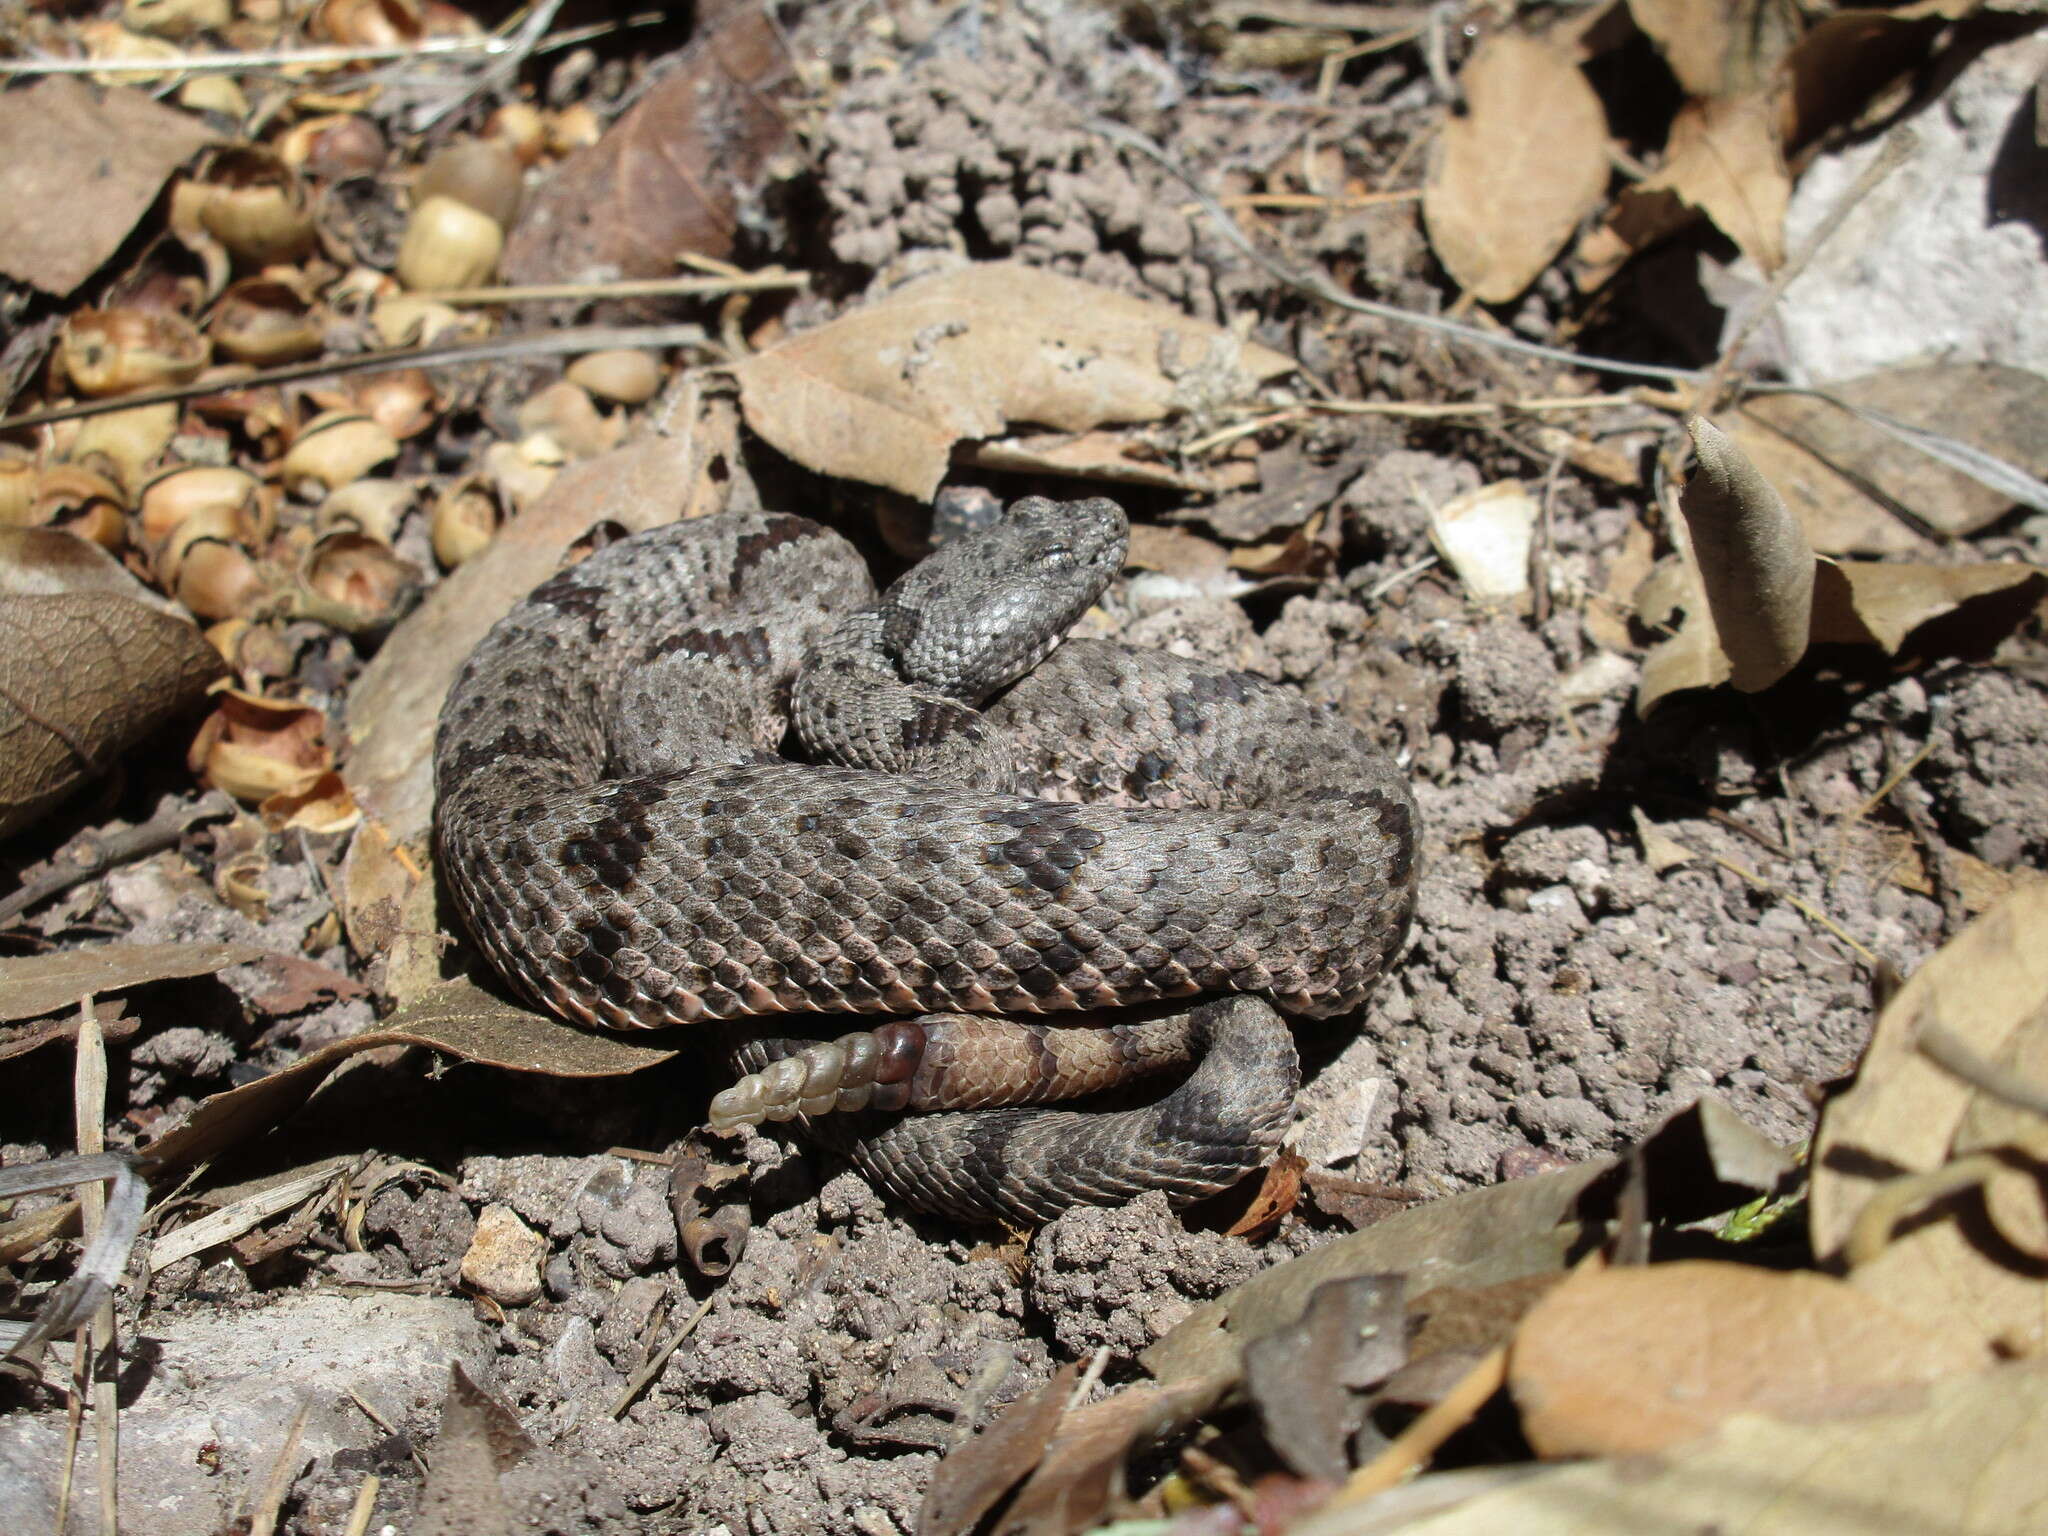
(1114, 829)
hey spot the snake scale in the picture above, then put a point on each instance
(707, 775)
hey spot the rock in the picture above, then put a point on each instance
(505, 1257)
(218, 1397)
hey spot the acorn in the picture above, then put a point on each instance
(118, 351)
(333, 147)
(256, 207)
(368, 23)
(566, 415)
(573, 128)
(404, 321)
(125, 443)
(519, 126)
(622, 376)
(176, 19)
(260, 320)
(214, 93)
(449, 245)
(403, 402)
(483, 173)
(358, 584)
(184, 489)
(334, 448)
(81, 501)
(18, 476)
(372, 507)
(254, 747)
(219, 581)
(519, 477)
(218, 523)
(465, 520)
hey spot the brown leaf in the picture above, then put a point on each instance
(1518, 171)
(299, 984)
(81, 166)
(1630, 1360)
(882, 393)
(1969, 1458)
(1845, 60)
(1873, 603)
(1307, 1379)
(1906, 1116)
(970, 1481)
(1081, 1478)
(666, 177)
(85, 674)
(1723, 158)
(1718, 47)
(31, 985)
(1754, 563)
(1841, 476)
(1279, 1192)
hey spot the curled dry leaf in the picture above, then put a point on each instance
(1518, 170)
(82, 165)
(1635, 1359)
(882, 393)
(1906, 1118)
(1753, 618)
(89, 667)
(666, 177)
(1754, 563)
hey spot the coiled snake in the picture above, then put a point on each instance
(991, 825)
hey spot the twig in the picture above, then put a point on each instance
(648, 288)
(588, 338)
(272, 58)
(1423, 1438)
(659, 1358)
(102, 853)
(96, 1340)
(284, 1471)
(1097, 1364)
(1807, 907)
(365, 1506)
(1896, 149)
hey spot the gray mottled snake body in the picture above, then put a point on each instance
(1008, 857)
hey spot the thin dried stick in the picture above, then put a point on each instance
(587, 338)
(284, 1471)
(96, 1340)
(648, 288)
(659, 1358)
(1807, 907)
(365, 1506)
(272, 58)
(1422, 1439)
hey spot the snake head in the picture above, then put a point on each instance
(988, 606)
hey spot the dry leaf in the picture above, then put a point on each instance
(1517, 172)
(1628, 1360)
(665, 179)
(1844, 61)
(975, 1476)
(86, 671)
(1723, 158)
(1278, 1193)
(32, 985)
(882, 393)
(1904, 1116)
(81, 166)
(1718, 47)
(1866, 602)
(1103, 456)
(1486, 537)
(1841, 476)
(1306, 1379)
(480, 1440)
(1754, 563)
(1969, 1459)
(1660, 850)
(1081, 1478)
